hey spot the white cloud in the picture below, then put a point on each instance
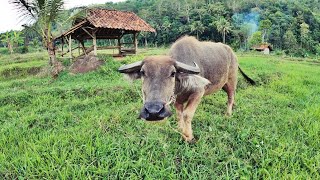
(9, 19)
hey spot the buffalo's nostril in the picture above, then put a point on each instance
(154, 108)
(154, 111)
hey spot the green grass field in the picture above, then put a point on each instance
(85, 126)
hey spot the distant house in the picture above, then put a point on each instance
(265, 48)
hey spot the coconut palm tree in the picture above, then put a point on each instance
(43, 13)
(197, 27)
(224, 27)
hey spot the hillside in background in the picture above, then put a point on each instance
(287, 25)
(292, 27)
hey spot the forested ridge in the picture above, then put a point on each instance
(290, 26)
(286, 25)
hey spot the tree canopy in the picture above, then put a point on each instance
(234, 21)
(280, 22)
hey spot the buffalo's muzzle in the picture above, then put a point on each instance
(154, 111)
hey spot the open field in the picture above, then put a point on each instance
(85, 126)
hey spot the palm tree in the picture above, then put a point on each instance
(197, 27)
(223, 27)
(43, 13)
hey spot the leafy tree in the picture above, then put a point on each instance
(144, 14)
(217, 9)
(223, 27)
(290, 41)
(44, 13)
(255, 39)
(174, 18)
(265, 26)
(318, 50)
(30, 33)
(245, 33)
(166, 27)
(304, 31)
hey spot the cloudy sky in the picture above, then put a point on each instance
(9, 19)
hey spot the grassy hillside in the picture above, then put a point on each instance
(85, 126)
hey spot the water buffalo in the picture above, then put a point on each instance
(191, 70)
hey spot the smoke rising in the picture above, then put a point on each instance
(248, 19)
(253, 20)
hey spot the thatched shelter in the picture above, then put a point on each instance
(265, 48)
(104, 24)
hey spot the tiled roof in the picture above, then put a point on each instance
(262, 47)
(114, 19)
(108, 19)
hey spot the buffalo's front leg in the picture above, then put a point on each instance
(179, 111)
(188, 113)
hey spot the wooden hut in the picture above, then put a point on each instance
(103, 24)
(265, 48)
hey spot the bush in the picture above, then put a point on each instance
(280, 52)
(301, 53)
(3, 51)
(22, 49)
(317, 50)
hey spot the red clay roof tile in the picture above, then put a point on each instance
(114, 19)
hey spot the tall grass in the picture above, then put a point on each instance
(85, 126)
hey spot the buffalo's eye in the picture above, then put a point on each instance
(173, 74)
(142, 73)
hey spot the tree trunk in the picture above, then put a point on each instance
(224, 37)
(188, 13)
(94, 41)
(145, 41)
(56, 66)
(263, 36)
(135, 41)
(10, 47)
(51, 53)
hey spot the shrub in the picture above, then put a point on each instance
(3, 51)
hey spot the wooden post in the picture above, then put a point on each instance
(94, 40)
(79, 47)
(135, 40)
(83, 48)
(119, 44)
(70, 47)
(62, 44)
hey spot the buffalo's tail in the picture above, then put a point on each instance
(247, 77)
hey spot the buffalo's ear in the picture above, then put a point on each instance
(132, 71)
(181, 67)
(190, 82)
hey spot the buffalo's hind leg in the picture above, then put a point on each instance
(230, 89)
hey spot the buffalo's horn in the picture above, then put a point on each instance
(187, 68)
(129, 68)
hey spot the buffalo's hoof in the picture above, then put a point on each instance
(189, 139)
